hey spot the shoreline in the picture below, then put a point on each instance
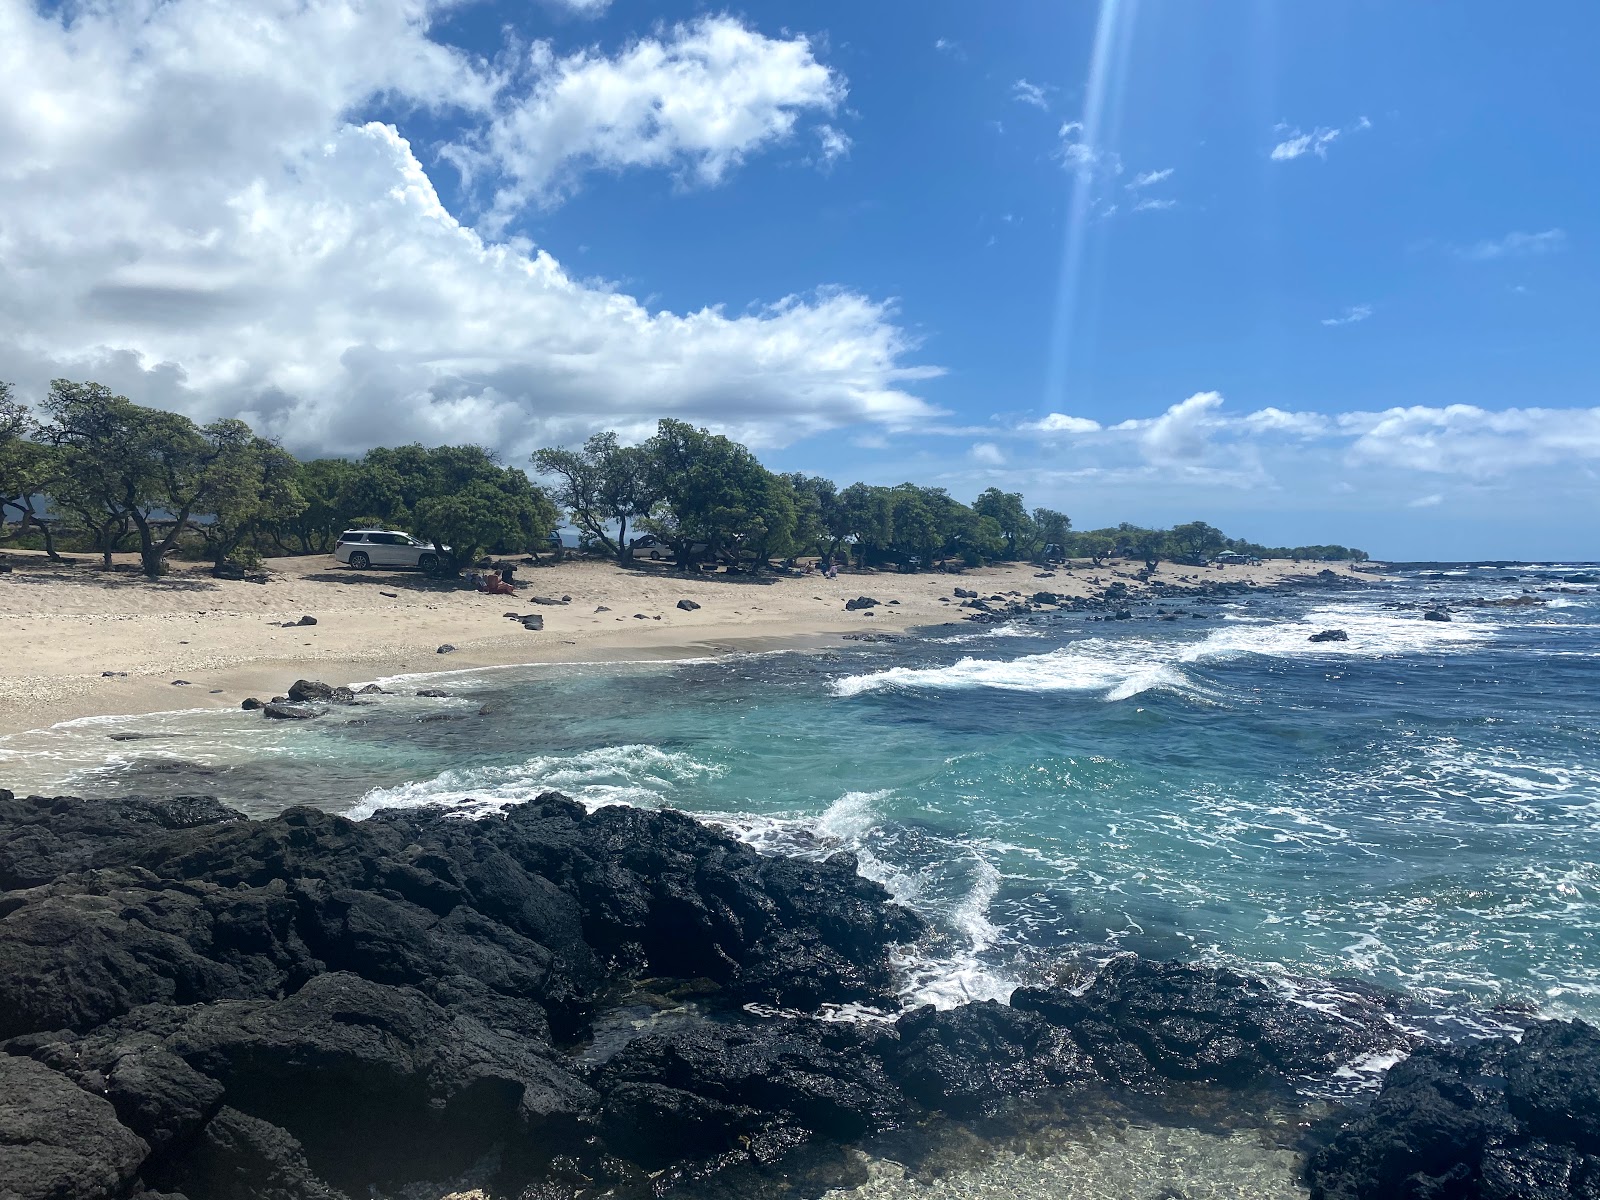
(85, 643)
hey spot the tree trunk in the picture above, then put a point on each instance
(624, 555)
(29, 517)
(149, 551)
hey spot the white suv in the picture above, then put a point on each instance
(363, 548)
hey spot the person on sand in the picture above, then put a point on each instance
(496, 585)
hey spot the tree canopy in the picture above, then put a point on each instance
(120, 470)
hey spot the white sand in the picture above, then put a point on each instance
(66, 625)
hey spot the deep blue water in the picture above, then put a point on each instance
(1418, 806)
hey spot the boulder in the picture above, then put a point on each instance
(447, 648)
(250, 703)
(370, 689)
(288, 711)
(59, 1142)
(533, 621)
(1147, 1023)
(306, 621)
(965, 594)
(687, 605)
(434, 693)
(860, 602)
(753, 1091)
(1497, 1119)
(309, 691)
(971, 1060)
(546, 600)
(1329, 635)
(1434, 614)
(1045, 598)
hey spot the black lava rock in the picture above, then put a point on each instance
(1497, 1119)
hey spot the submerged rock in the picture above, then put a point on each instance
(287, 710)
(1329, 635)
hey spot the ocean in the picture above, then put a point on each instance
(1417, 806)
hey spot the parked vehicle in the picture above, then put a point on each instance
(651, 547)
(363, 548)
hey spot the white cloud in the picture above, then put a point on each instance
(1079, 156)
(696, 100)
(1150, 177)
(1031, 93)
(195, 211)
(949, 46)
(1350, 316)
(1061, 423)
(833, 144)
(988, 453)
(1433, 500)
(1517, 245)
(1152, 204)
(584, 8)
(1181, 433)
(1462, 439)
(1316, 142)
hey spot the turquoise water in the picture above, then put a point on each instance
(1418, 806)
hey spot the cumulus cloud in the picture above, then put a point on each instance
(1355, 314)
(195, 210)
(988, 453)
(1061, 423)
(1457, 439)
(1298, 144)
(1516, 245)
(1463, 439)
(695, 100)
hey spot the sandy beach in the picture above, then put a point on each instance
(81, 641)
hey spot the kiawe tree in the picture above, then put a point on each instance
(715, 494)
(157, 470)
(29, 469)
(602, 484)
(461, 497)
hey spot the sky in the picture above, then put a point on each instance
(1312, 273)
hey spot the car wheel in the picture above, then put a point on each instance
(428, 563)
(655, 556)
(360, 561)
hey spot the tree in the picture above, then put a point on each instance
(716, 497)
(1051, 528)
(862, 517)
(1195, 542)
(1007, 511)
(28, 469)
(816, 503)
(601, 484)
(157, 470)
(326, 487)
(1096, 545)
(260, 492)
(461, 497)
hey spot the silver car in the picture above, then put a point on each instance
(363, 548)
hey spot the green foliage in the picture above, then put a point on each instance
(715, 494)
(121, 462)
(461, 497)
(121, 469)
(601, 484)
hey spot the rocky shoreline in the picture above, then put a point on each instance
(197, 1004)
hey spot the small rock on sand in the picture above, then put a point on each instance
(447, 648)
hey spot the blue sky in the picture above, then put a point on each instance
(1312, 273)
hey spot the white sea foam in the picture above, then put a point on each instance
(629, 774)
(1121, 668)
